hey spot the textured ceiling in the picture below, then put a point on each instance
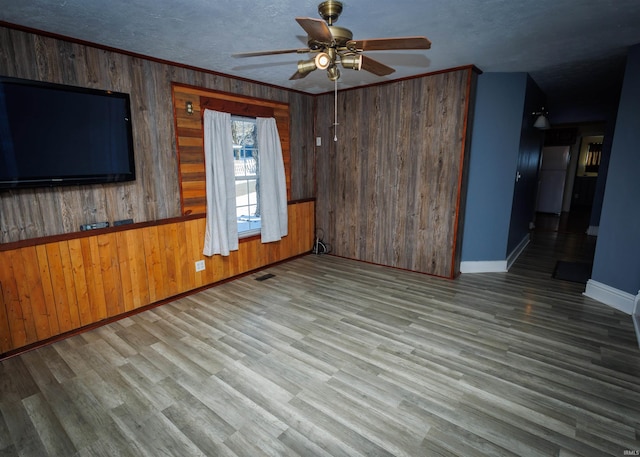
(571, 48)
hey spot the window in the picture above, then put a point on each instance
(245, 155)
(189, 134)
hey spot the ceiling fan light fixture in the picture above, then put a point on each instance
(333, 72)
(352, 62)
(542, 121)
(306, 66)
(322, 61)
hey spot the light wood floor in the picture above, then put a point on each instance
(332, 357)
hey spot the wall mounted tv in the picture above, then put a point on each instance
(53, 135)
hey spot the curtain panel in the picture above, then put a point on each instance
(221, 232)
(273, 186)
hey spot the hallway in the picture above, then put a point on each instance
(575, 221)
(561, 238)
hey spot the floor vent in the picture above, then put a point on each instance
(264, 277)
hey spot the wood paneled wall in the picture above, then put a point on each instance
(155, 194)
(391, 188)
(57, 286)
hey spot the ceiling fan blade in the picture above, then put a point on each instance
(299, 75)
(385, 44)
(375, 67)
(316, 29)
(269, 53)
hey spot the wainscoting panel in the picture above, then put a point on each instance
(62, 285)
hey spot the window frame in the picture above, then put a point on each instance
(254, 231)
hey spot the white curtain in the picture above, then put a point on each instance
(273, 187)
(221, 233)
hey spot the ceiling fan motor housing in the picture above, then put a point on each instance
(340, 35)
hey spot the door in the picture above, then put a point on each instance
(553, 173)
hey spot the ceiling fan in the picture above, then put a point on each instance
(332, 45)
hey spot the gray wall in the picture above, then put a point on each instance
(603, 172)
(502, 143)
(617, 256)
(529, 150)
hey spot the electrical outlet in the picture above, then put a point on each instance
(200, 265)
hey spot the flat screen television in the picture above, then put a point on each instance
(53, 135)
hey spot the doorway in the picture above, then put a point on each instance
(589, 158)
(551, 181)
(581, 167)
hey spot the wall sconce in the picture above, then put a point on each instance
(189, 108)
(541, 122)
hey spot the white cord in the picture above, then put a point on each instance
(335, 109)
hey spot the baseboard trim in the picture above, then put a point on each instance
(495, 266)
(511, 258)
(618, 299)
(483, 266)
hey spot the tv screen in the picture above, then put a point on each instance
(53, 134)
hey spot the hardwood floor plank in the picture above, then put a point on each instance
(16, 382)
(301, 444)
(258, 435)
(152, 392)
(196, 421)
(376, 426)
(352, 442)
(25, 438)
(69, 412)
(450, 439)
(108, 388)
(277, 401)
(555, 435)
(114, 444)
(153, 433)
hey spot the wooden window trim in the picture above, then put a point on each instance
(235, 108)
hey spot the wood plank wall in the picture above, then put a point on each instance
(155, 194)
(52, 287)
(391, 188)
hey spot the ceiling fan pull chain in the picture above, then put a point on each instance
(335, 111)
